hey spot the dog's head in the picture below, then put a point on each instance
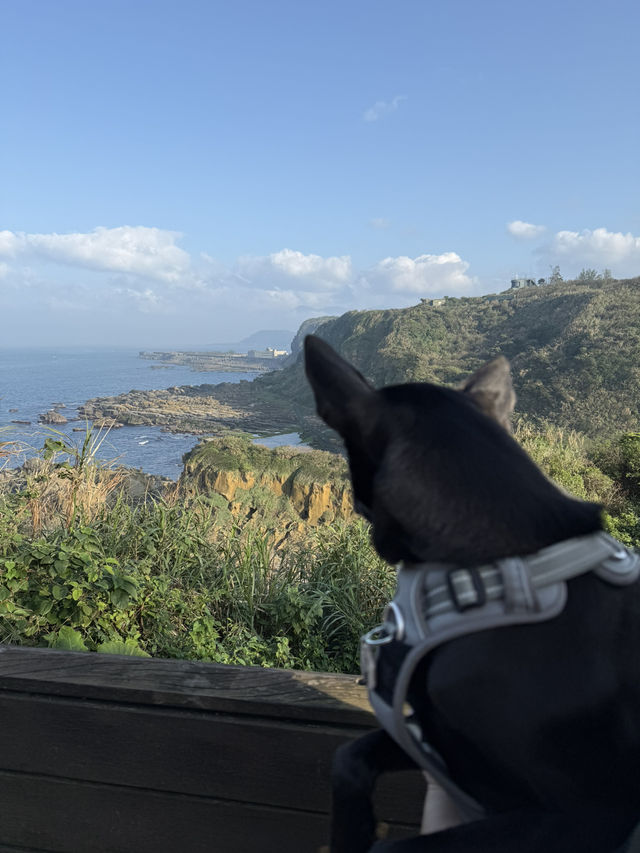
(436, 471)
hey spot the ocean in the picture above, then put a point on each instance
(32, 381)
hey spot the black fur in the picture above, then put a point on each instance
(541, 723)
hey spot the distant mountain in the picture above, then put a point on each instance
(277, 339)
(574, 349)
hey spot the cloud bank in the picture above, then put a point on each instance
(149, 252)
(136, 278)
(138, 283)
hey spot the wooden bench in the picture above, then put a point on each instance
(106, 753)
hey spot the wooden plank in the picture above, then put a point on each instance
(314, 697)
(178, 729)
(263, 761)
(59, 816)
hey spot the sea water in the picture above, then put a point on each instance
(33, 381)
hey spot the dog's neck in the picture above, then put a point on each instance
(520, 517)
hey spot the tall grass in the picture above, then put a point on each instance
(80, 566)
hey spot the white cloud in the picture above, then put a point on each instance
(290, 281)
(293, 270)
(294, 282)
(426, 275)
(383, 108)
(10, 244)
(600, 248)
(380, 223)
(525, 230)
(149, 252)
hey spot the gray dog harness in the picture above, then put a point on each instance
(436, 602)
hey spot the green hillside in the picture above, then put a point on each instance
(574, 349)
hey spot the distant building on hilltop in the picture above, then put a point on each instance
(523, 282)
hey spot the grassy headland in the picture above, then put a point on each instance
(574, 348)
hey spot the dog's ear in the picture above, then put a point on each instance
(492, 390)
(342, 394)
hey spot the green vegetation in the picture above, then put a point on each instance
(85, 567)
(236, 452)
(82, 567)
(574, 347)
(161, 580)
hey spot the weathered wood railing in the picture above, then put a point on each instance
(105, 753)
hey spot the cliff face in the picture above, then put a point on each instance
(283, 489)
(308, 327)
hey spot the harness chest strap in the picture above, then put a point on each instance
(435, 603)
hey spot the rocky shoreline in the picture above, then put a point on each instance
(196, 409)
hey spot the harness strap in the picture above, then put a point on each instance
(435, 603)
(516, 579)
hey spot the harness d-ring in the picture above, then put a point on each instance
(389, 630)
(398, 618)
(378, 636)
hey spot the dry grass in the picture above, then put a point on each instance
(61, 492)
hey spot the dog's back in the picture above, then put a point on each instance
(540, 719)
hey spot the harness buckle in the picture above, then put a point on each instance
(466, 588)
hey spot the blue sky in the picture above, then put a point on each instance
(176, 173)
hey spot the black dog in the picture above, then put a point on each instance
(540, 724)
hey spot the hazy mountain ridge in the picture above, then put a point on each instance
(276, 338)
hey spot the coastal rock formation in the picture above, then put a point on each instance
(107, 423)
(52, 417)
(198, 409)
(308, 327)
(283, 489)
